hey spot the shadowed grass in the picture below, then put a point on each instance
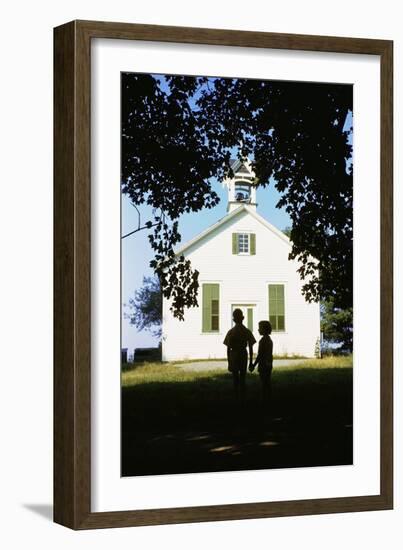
(174, 420)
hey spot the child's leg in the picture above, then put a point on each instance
(242, 384)
(235, 378)
(265, 378)
(268, 389)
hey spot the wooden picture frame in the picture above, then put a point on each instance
(72, 270)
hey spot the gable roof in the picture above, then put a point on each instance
(227, 217)
(239, 167)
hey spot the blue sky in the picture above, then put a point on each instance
(136, 251)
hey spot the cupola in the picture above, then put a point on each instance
(241, 188)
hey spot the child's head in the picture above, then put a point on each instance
(237, 315)
(264, 327)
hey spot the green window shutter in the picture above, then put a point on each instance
(277, 307)
(211, 307)
(234, 243)
(215, 291)
(250, 319)
(280, 300)
(253, 244)
(206, 326)
(273, 306)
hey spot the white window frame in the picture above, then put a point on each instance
(247, 252)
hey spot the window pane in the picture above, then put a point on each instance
(214, 322)
(214, 307)
(243, 243)
(280, 322)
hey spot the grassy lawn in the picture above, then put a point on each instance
(177, 421)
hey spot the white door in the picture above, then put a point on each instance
(248, 311)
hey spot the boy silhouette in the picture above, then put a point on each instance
(264, 361)
(237, 340)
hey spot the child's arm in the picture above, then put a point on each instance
(229, 359)
(250, 345)
(227, 345)
(254, 363)
(271, 350)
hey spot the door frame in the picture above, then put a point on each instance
(244, 306)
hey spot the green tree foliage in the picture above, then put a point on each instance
(179, 132)
(146, 307)
(167, 164)
(337, 325)
(295, 133)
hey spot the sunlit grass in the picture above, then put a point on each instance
(169, 372)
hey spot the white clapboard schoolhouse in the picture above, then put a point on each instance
(243, 263)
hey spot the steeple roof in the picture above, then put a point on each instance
(239, 167)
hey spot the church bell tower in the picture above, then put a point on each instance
(241, 188)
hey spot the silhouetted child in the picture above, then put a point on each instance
(237, 340)
(264, 361)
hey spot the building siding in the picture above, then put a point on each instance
(242, 280)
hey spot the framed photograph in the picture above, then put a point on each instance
(222, 275)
